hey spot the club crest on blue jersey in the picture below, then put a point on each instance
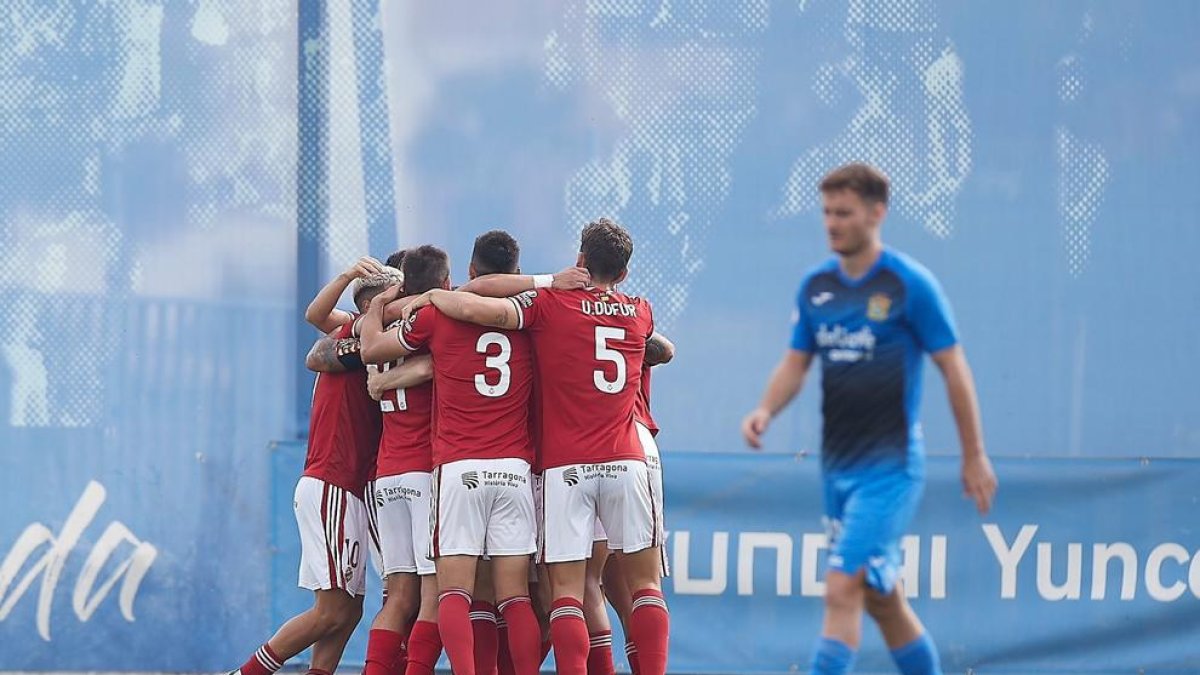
(878, 307)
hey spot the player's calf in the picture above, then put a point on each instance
(911, 647)
(649, 620)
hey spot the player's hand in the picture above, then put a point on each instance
(571, 279)
(364, 267)
(423, 300)
(754, 426)
(374, 384)
(979, 481)
(388, 295)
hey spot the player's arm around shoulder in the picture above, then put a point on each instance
(471, 308)
(505, 285)
(334, 354)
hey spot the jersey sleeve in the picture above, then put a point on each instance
(802, 333)
(418, 329)
(929, 312)
(529, 306)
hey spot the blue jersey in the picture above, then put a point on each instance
(871, 335)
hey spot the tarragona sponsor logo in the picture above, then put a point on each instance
(1165, 572)
(116, 549)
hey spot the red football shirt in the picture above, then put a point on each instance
(641, 408)
(482, 381)
(407, 443)
(591, 345)
(344, 429)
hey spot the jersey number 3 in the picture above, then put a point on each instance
(499, 363)
(606, 353)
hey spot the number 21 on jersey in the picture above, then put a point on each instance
(386, 404)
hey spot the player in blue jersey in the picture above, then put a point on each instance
(870, 314)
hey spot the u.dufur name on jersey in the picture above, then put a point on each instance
(845, 345)
(600, 308)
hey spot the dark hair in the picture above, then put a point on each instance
(496, 252)
(863, 180)
(425, 267)
(606, 249)
(396, 259)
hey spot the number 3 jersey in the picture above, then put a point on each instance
(591, 345)
(482, 380)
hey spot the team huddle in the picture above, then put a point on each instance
(492, 447)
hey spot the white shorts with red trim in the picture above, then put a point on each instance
(654, 464)
(333, 537)
(483, 506)
(620, 494)
(399, 509)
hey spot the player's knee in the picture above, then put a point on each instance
(884, 607)
(843, 592)
(339, 615)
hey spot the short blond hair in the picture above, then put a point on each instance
(368, 287)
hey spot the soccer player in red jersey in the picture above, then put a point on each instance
(590, 351)
(482, 454)
(344, 431)
(604, 578)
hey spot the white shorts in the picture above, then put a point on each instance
(333, 537)
(401, 514)
(620, 494)
(654, 464)
(483, 506)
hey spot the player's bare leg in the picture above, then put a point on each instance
(568, 630)
(911, 647)
(425, 641)
(616, 591)
(456, 583)
(649, 622)
(510, 576)
(327, 651)
(542, 595)
(333, 610)
(385, 645)
(841, 631)
(484, 629)
(595, 613)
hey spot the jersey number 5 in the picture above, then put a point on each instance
(499, 363)
(606, 353)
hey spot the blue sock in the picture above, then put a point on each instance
(832, 657)
(918, 657)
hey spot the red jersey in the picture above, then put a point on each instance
(344, 428)
(482, 381)
(591, 345)
(407, 443)
(641, 407)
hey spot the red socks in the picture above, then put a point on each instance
(484, 633)
(568, 632)
(263, 662)
(524, 635)
(454, 624)
(649, 626)
(631, 656)
(385, 650)
(504, 662)
(600, 658)
(424, 648)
